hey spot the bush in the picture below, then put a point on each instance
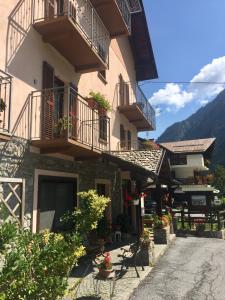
(91, 210)
(36, 266)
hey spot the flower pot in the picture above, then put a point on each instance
(102, 111)
(92, 103)
(104, 273)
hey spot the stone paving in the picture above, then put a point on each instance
(126, 281)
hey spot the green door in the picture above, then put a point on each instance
(57, 195)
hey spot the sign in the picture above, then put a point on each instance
(198, 200)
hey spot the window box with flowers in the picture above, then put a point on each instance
(99, 102)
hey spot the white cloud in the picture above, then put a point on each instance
(157, 111)
(176, 96)
(172, 95)
(204, 102)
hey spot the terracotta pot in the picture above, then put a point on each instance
(92, 103)
(102, 111)
(104, 273)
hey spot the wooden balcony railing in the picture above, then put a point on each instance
(75, 29)
(5, 104)
(62, 121)
(134, 105)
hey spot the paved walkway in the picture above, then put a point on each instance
(192, 269)
(125, 283)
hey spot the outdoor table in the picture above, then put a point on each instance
(98, 281)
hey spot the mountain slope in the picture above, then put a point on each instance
(208, 121)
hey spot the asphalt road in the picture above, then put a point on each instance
(192, 269)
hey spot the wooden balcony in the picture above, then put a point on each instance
(135, 106)
(75, 30)
(116, 16)
(62, 122)
(5, 105)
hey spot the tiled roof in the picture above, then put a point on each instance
(149, 160)
(197, 146)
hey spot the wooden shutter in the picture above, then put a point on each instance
(128, 139)
(122, 137)
(47, 102)
(49, 9)
(74, 110)
(121, 91)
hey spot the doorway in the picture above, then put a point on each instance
(56, 196)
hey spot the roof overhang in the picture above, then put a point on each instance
(142, 47)
(138, 166)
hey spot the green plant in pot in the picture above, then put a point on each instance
(63, 125)
(2, 105)
(101, 102)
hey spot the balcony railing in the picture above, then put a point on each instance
(125, 11)
(135, 6)
(60, 117)
(5, 101)
(82, 15)
(134, 105)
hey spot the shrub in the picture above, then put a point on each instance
(91, 210)
(36, 266)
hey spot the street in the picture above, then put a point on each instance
(192, 269)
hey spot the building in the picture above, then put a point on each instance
(189, 164)
(53, 54)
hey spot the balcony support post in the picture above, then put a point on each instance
(68, 112)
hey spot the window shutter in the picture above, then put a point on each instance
(47, 101)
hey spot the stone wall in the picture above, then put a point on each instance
(16, 161)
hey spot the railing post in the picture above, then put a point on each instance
(109, 135)
(68, 112)
(218, 220)
(182, 218)
(92, 25)
(31, 115)
(92, 132)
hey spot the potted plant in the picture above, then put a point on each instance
(104, 265)
(2, 105)
(99, 101)
(161, 229)
(63, 125)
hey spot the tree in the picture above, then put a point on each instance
(219, 180)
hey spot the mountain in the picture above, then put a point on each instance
(208, 121)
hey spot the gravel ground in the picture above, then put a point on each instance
(192, 269)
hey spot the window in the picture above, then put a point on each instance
(122, 137)
(103, 128)
(102, 76)
(198, 200)
(178, 159)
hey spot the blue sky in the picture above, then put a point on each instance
(188, 39)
